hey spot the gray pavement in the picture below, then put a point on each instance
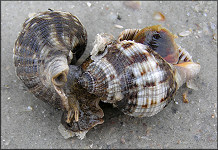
(27, 122)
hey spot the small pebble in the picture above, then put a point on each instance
(29, 108)
(72, 6)
(91, 145)
(212, 116)
(133, 4)
(159, 16)
(9, 98)
(148, 130)
(178, 142)
(197, 137)
(185, 33)
(118, 26)
(7, 86)
(118, 17)
(215, 36)
(212, 26)
(122, 140)
(196, 8)
(89, 4)
(205, 29)
(197, 37)
(139, 21)
(7, 142)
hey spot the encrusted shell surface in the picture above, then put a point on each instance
(133, 77)
(47, 44)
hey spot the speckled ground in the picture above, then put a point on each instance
(180, 125)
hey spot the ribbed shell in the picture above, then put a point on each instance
(45, 37)
(133, 77)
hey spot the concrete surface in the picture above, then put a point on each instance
(27, 122)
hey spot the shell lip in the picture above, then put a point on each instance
(59, 79)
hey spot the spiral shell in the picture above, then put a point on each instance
(47, 44)
(132, 77)
(135, 78)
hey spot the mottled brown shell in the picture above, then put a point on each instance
(47, 44)
(133, 77)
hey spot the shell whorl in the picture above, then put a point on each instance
(47, 44)
(133, 77)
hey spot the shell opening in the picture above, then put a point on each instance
(60, 79)
(58, 69)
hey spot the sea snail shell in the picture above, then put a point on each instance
(45, 52)
(130, 75)
(134, 77)
(49, 42)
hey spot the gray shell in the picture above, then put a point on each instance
(47, 44)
